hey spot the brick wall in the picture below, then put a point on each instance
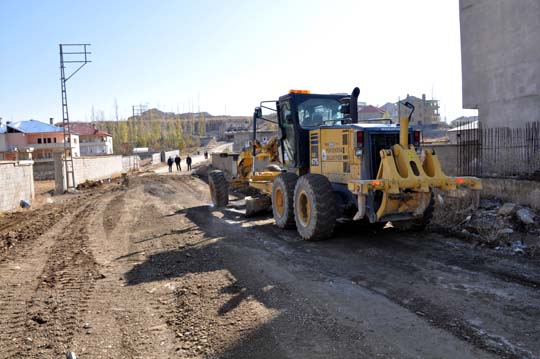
(88, 168)
(130, 163)
(16, 184)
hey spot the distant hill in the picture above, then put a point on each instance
(156, 114)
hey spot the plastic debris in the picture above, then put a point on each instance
(25, 204)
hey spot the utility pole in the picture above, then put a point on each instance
(78, 54)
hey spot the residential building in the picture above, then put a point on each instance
(426, 112)
(92, 141)
(391, 110)
(369, 112)
(500, 60)
(40, 138)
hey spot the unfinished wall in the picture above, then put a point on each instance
(500, 60)
(16, 184)
(44, 170)
(88, 168)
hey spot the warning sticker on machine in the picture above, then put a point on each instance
(323, 155)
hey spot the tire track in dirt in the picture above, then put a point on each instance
(113, 212)
(66, 283)
(19, 279)
(42, 313)
(125, 321)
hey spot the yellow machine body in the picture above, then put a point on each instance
(402, 188)
(258, 175)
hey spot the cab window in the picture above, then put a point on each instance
(314, 112)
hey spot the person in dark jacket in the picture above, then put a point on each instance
(188, 161)
(169, 163)
(177, 160)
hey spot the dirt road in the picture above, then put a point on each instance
(149, 270)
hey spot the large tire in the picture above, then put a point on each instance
(314, 207)
(219, 188)
(283, 200)
(420, 224)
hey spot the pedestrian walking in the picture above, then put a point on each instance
(178, 160)
(188, 162)
(169, 163)
(205, 155)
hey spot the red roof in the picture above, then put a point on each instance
(370, 109)
(86, 129)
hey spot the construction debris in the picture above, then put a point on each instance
(506, 227)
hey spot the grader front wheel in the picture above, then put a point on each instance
(283, 199)
(219, 188)
(314, 207)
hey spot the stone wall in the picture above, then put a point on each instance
(44, 170)
(16, 184)
(88, 168)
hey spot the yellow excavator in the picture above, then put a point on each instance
(326, 167)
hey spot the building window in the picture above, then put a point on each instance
(49, 140)
(39, 140)
(55, 140)
(74, 140)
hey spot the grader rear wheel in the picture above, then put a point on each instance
(219, 188)
(314, 207)
(283, 199)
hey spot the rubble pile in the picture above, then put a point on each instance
(505, 227)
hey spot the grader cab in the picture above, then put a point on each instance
(335, 168)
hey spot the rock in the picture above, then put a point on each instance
(525, 216)
(507, 209)
(71, 355)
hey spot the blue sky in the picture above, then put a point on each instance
(225, 56)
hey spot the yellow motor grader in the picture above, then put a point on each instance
(330, 167)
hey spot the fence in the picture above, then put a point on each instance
(498, 152)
